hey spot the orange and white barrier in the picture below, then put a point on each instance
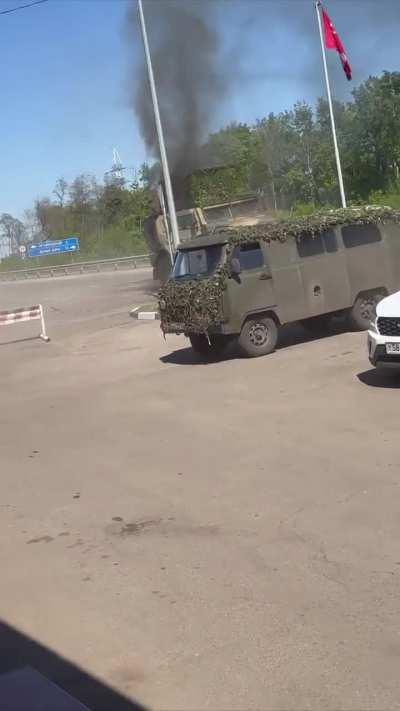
(25, 313)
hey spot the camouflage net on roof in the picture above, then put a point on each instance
(195, 305)
(313, 225)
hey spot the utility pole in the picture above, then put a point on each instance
(328, 91)
(117, 165)
(160, 133)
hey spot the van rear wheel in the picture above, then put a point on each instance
(363, 310)
(258, 336)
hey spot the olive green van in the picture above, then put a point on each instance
(244, 285)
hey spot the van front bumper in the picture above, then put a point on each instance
(179, 328)
(378, 356)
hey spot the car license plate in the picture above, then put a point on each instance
(393, 348)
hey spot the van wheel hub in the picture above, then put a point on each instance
(367, 307)
(258, 334)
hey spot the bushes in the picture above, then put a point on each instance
(116, 241)
(391, 199)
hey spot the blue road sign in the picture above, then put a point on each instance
(60, 246)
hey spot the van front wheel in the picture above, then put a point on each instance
(258, 336)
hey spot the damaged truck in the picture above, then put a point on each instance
(241, 210)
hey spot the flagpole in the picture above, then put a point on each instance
(328, 91)
(160, 134)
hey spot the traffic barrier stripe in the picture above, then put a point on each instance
(25, 313)
(18, 311)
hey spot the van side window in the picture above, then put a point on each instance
(329, 240)
(310, 246)
(250, 256)
(357, 235)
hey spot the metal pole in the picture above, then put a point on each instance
(328, 91)
(160, 134)
(166, 225)
(43, 334)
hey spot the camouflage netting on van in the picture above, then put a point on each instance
(197, 304)
(282, 230)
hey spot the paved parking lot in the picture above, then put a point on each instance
(199, 536)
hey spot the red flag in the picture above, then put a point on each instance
(333, 41)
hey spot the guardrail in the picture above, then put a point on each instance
(99, 265)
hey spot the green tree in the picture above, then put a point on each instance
(274, 157)
(13, 231)
(377, 131)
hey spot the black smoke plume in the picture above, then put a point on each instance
(189, 74)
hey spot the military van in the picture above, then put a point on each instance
(244, 284)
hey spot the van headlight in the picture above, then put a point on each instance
(373, 326)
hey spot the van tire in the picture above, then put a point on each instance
(363, 310)
(205, 348)
(258, 337)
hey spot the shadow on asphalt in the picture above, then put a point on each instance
(22, 660)
(143, 287)
(291, 335)
(294, 334)
(186, 356)
(20, 340)
(376, 378)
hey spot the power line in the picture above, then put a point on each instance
(22, 7)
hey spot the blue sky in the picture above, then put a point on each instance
(67, 67)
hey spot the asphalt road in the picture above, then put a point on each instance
(199, 536)
(77, 303)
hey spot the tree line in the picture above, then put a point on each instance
(107, 217)
(287, 157)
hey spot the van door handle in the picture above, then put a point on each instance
(264, 276)
(317, 290)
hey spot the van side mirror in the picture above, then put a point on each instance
(235, 267)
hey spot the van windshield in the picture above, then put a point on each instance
(198, 263)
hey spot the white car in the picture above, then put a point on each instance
(384, 333)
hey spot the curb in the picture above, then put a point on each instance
(144, 315)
